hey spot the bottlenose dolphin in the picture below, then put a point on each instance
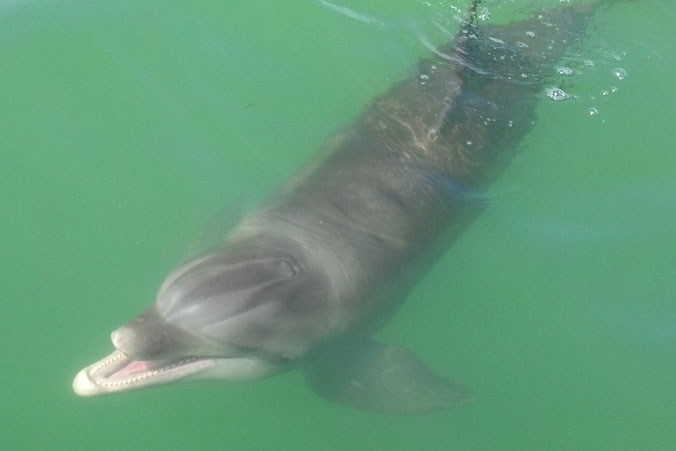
(306, 279)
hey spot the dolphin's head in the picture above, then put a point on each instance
(239, 314)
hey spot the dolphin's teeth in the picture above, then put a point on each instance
(138, 377)
(107, 362)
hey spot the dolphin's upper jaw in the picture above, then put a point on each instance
(118, 373)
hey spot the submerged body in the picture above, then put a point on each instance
(306, 279)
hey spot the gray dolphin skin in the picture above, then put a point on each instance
(305, 280)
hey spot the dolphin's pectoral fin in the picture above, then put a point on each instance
(383, 378)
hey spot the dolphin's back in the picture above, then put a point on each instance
(392, 183)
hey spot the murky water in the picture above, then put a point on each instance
(126, 127)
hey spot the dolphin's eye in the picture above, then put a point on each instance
(286, 268)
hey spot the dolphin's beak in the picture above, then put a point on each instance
(119, 373)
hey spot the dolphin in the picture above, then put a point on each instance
(304, 280)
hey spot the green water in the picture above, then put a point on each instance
(125, 127)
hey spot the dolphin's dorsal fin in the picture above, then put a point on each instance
(473, 12)
(383, 378)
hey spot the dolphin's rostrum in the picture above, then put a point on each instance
(305, 280)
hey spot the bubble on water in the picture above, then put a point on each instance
(614, 89)
(620, 73)
(556, 94)
(593, 111)
(530, 34)
(484, 14)
(564, 70)
(522, 45)
(605, 92)
(469, 142)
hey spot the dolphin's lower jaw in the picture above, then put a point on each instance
(118, 373)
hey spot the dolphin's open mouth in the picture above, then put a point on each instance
(117, 372)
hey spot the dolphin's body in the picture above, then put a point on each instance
(304, 280)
